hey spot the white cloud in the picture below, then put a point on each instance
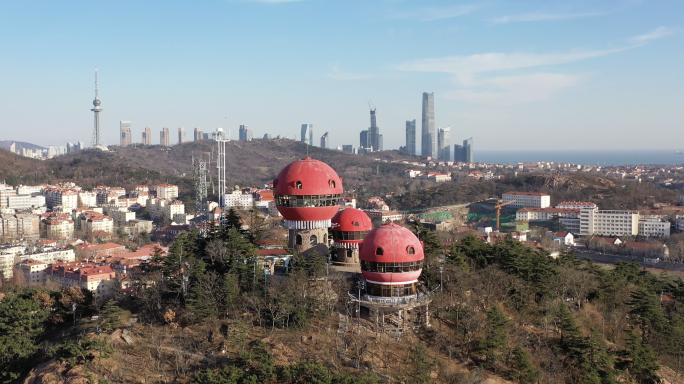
(515, 89)
(657, 33)
(541, 17)
(431, 14)
(470, 75)
(336, 74)
(273, 1)
(488, 62)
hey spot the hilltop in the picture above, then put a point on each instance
(249, 163)
(5, 144)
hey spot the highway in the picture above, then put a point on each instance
(614, 259)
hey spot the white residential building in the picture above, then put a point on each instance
(121, 216)
(577, 205)
(527, 199)
(239, 201)
(609, 223)
(25, 201)
(87, 199)
(29, 189)
(34, 271)
(167, 191)
(569, 218)
(653, 227)
(65, 198)
(57, 226)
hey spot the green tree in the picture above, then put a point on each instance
(458, 259)
(21, 325)
(640, 360)
(496, 335)
(421, 364)
(523, 370)
(110, 316)
(644, 305)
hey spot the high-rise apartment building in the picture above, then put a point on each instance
(411, 137)
(147, 136)
(181, 135)
(324, 141)
(307, 134)
(164, 137)
(374, 131)
(428, 125)
(364, 139)
(464, 153)
(199, 135)
(125, 133)
(245, 133)
(443, 144)
(468, 150)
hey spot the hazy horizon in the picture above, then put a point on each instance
(515, 76)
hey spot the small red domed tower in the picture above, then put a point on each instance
(307, 193)
(349, 227)
(391, 261)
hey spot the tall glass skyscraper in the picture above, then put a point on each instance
(125, 130)
(324, 141)
(364, 139)
(411, 137)
(374, 132)
(245, 133)
(428, 126)
(307, 134)
(464, 153)
(443, 144)
(468, 150)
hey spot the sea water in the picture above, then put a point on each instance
(584, 157)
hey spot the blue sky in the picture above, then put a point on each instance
(512, 74)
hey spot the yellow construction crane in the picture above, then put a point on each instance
(497, 207)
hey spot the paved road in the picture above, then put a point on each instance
(614, 259)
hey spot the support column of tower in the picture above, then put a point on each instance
(303, 239)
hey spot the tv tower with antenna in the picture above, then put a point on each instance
(97, 142)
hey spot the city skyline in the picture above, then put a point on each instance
(592, 69)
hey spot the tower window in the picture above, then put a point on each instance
(298, 185)
(356, 223)
(313, 240)
(332, 183)
(411, 251)
(299, 240)
(379, 251)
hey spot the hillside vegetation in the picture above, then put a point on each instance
(250, 163)
(503, 311)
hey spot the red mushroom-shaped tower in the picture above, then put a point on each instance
(307, 193)
(391, 261)
(349, 227)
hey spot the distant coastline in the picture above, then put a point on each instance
(584, 157)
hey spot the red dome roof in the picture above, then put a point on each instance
(351, 220)
(307, 177)
(395, 242)
(391, 243)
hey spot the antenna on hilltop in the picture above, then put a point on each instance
(96, 95)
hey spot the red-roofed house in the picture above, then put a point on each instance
(565, 238)
(107, 249)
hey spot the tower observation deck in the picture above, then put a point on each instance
(98, 141)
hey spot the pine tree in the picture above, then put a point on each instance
(650, 316)
(458, 259)
(21, 324)
(110, 316)
(524, 371)
(640, 359)
(496, 335)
